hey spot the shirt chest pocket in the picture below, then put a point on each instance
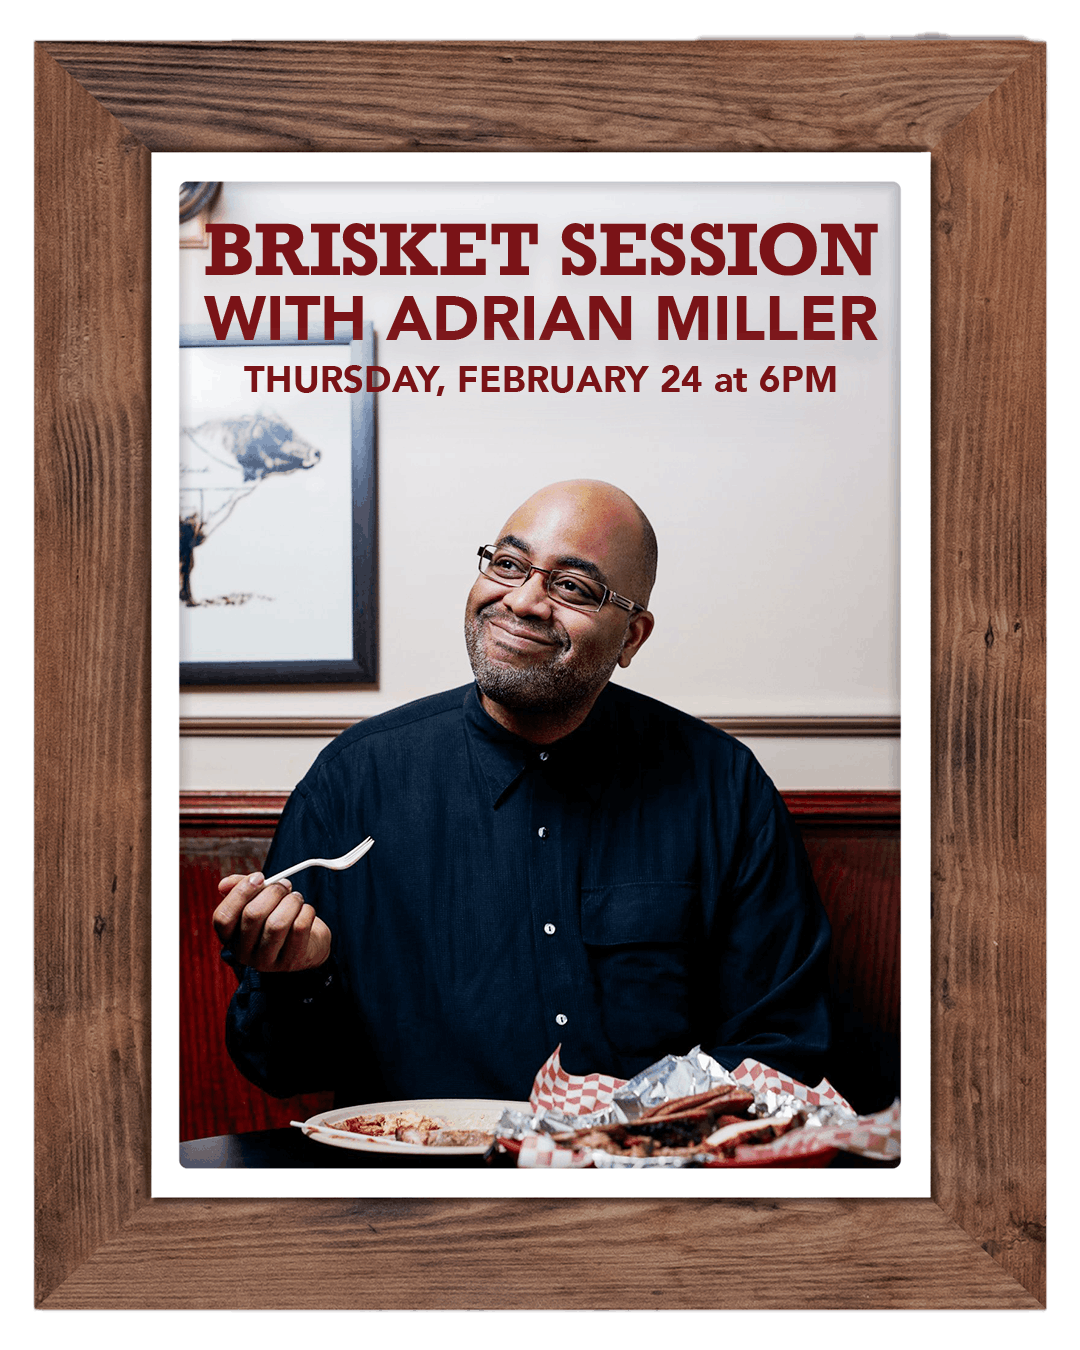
(638, 912)
(640, 938)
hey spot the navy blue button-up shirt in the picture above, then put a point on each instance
(633, 889)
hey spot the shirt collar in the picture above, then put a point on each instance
(575, 761)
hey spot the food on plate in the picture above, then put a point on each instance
(460, 1125)
(714, 1122)
(380, 1124)
(436, 1138)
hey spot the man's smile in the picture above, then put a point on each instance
(516, 638)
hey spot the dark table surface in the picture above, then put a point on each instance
(290, 1147)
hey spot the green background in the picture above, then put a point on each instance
(666, 19)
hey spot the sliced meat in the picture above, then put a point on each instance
(707, 1122)
(735, 1100)
(377, 1123)
(677, 1124)
(728, 1138)
(374, 1124)
(444, 1138)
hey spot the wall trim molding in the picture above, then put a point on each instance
(232, 811)
(737, 726)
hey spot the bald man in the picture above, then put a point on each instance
(557, 860)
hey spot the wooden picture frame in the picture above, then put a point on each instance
(361, 666)
(102, 110)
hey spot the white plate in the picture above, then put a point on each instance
(466, 1113)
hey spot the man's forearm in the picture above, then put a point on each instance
(284, 1032)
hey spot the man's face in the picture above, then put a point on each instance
(532, 655)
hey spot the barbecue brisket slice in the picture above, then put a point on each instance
(734, 1100)
(676, 1124)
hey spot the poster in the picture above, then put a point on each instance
(744, 354)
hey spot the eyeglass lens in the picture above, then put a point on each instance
(569, 588)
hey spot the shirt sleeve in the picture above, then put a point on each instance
(772, 955)
(285, 1032)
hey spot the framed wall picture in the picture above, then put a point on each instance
(978, 107)
(278, 555)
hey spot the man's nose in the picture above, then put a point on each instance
(531, 598)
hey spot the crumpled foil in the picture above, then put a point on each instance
(771, 1103)
(672, 1077)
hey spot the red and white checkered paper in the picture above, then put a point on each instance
(874, 1136)
(754, 1076)
(554, 1089)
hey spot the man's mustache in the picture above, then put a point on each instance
(531, 628)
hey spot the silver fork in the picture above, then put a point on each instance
(334, 864)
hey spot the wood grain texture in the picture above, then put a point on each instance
(227, 812)
(381, 1253)
(989, 586)
(101, 109)
(278, 725)
(92, 699)
(613, 96)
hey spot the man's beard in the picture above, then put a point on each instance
(547, 686)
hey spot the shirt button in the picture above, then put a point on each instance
(549, 928)
(542, 831)
(561, 1019)
(543, 756)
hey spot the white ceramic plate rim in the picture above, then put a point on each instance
(450, 1109)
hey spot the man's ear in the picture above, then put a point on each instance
(637, 632)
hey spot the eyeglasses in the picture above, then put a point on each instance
(574, 589)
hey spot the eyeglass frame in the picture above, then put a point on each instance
(488, 551)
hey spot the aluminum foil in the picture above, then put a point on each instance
(771, 1103)
(672, 1077)
(669, 1078)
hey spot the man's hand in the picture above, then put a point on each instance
(269, 928)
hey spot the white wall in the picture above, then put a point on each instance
(777, 515)
(276, 763)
